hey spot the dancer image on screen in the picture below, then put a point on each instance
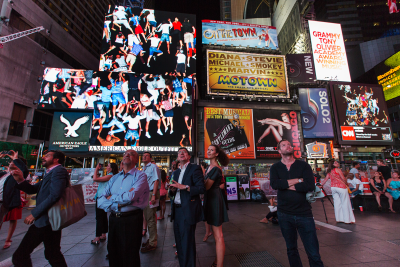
(117, 95)
(154, 48)
(150, 20)
(275, 127)
(177, 27)
(164, 27)
(133, 133)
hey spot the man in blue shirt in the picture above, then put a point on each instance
(125, 196)
(154, 180)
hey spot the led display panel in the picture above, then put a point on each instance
(388, 75)
(148, 41)
(329, 52)
(361, 114)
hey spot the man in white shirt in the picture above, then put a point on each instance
(180, 63)
(133, 124)
(120, 17)
(164, 28)
(154, 44)
(355, 168)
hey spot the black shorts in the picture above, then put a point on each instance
(187, 110)
(181, 68)
(163, 198)
(133, 93)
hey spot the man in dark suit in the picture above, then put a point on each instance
(186, 187)
(48, 191)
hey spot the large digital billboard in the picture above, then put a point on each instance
(231, 129)
(70, 131)
(300, 68)
(316, 118)
(361, 114)
(239, 34)
(329, 52)
(246, 73)
(270, 127)
(148, 41)
(388, 75)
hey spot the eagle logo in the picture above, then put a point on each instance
(72, 129)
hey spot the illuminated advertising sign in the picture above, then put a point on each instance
(388, 75)
(315, 113)
(361, 114)
(270, 127)
(148, 41)
(317, 150)
(231, 129)
(245, 73)
(300, 68)
(149, 117)
(70, 131)
(239, 34)
(329, 52)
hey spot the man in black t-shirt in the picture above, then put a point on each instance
(293, 179)
(385, 170)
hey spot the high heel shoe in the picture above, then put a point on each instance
(7, 244)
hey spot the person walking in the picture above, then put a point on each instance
(293, 179)
(101, 215)
(340, 193)
(150, 212)
(215, 212)
(163, 194)
(187, 185)
(125, 196)
(48, 192)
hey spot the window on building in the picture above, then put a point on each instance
(41, 126)
(18, 118)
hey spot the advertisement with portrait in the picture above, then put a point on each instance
(300, 68)
(155, 109)
(239, 34)
(361, 114)
(148, 41)
(316, 119)
(70, 131)
(270, 127)
(231, 129)
(329, 52)
(388, 75)
(245, 73)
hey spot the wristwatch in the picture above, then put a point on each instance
(299, 180)
(187, 187)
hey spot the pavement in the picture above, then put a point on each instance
(370, 242)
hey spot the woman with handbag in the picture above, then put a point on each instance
(101, 215)
(340, 193)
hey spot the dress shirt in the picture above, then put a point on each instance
(130, 188)
(153, 174)
(178, 193)
(48, 170)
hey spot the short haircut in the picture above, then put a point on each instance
(184, 149)
(350, 175)
(355, 163)
(148, 153)
(396, 171)
(57, 154)
(278, 147)
(381, 160)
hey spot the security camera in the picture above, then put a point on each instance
(48, 32)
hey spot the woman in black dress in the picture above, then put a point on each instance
(378, 188)
(214, 204)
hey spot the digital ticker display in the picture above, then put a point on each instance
(362, 115)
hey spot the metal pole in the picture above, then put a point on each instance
(92, 165)
(84, 162)
(37, 160)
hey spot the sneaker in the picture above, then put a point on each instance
(154, 57)
(148, 65)
(171, 131)
(159, 132)
(148, 248)
(194, 57)
(119, 115)
(188, 65)
(96, 127)
(148, 135)
(166, 129)
(146, 243)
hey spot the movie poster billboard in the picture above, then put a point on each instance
(361, 114)
(150, 113)
(70, 131)
(231, 129)
(270, 127)
(329, 52)
(388, 75)
(300, 68)
(316, 119)
(239, 34)
(148, 41)
(246, 73)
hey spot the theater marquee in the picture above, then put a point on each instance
(245, 73)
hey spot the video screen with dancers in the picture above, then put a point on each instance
(270, 127)
(361, 112)
(148, 41)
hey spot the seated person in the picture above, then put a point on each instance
(378, 188)
(273, 212)
(354, 184)
(393, 185)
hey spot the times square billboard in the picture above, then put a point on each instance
(361, 114)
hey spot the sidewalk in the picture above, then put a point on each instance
(364, 244)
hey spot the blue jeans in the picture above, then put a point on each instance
(305, 226)
(355, 193)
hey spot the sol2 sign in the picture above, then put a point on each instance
(395, 154)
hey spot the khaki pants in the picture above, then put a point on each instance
(150, 217)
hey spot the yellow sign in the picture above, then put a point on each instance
(245, 73)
